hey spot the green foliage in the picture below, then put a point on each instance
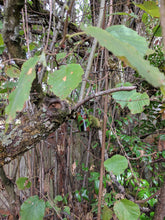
(150, 7)
(77, 195)
(124, 13)
(128, 53)
(134, 100)
(12, 71)
(157, 58)
(23, 183)
(107, 213)
(54, 204)
(58, 198)
(126, 210)
(129, 36)
(7, 86)
(66, 79)
(34, 208)
(157, 31)
(1, 25)
(60, 56)
(137, 102)
(116, 164)
(1, 44)
(18, 97)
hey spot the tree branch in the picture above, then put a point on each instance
(21, 138)
(129, 88)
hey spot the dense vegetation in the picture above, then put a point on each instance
(82, 111)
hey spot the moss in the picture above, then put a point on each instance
(94, 122)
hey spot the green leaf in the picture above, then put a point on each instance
(137, 102)
(1, 43)
(163, 154)
(96, 186)
(134, 100)
(18, 97)
(129, 54)
(157, 31)
(23, 183)
(65, 80)
(32, 208)
(1, 25)
(162, 137)
(60, 56)
(1, 49)
(12, 71)
(58, 198)
(124, 13)
(43, 59)
(145, 18)
(107, 213)
(67, 209)
(151, 8)
(1, 40)
(123, 97)
(78, 196)
(9, 85)
(48, 205)
(116, 164)
(129, 36)
(126, 210)
(84, 194)
(30, 2)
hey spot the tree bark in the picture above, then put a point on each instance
(160, 210)
(12, 15)
(31, 130)
(13, 199)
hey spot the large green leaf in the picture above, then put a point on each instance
(65, 80)
(126, 210)
(134, 100)
(137, 102)
(18, 97)
(129, 54)
(107, 213)
(33, 208)
(123, 97)
(130, 36)
(116, 164)
(151, 8)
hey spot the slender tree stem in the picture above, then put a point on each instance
(93, 49)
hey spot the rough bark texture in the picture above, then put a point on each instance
(160, 210)
(162, 15)
(13, 199)
(23, 137)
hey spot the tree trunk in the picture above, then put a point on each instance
(160, 208)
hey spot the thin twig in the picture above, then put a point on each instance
(66, 23)
(50, 19)
(103, 148)
(129, 88)
(146, 200)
